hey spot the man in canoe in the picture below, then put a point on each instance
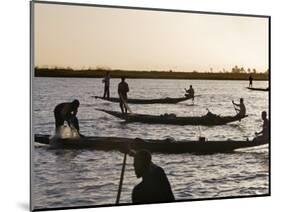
(67, 112)
(190, 92)
(155, 186)
(106, 81)
(240, 108)
(250, 81)
(264, 133)
(123, 89)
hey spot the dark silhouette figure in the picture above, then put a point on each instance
(106, 81)
(264, 133)
(250, 81)
(123, 89)
(155, 186)
(190, 92)
(240, 108)
(67, 112)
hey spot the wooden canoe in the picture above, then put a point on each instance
(161, 146)
(207, 120)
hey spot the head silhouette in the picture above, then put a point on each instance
(122, 79)
(241, 100)
(190, 86)
(142, 161)
(263, 115)
(75, 103)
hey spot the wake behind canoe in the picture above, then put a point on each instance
(160, 146)
(206, 120)
(167, 100)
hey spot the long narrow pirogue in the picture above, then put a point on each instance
(258, 89)
(207, 120)
(162, 146)
(167, 100)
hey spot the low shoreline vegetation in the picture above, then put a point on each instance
(98, 73)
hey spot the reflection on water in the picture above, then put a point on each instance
(64, 178)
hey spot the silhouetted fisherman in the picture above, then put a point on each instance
(106, 81)
(250, 81)
(155, 186)
(264, 133)
(240, 108)
(190, 92)
(67, 112)
(123, 89)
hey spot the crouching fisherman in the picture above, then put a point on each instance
(67, 112)
(155, 186)
(264, 133)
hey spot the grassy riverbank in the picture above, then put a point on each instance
(97, 73)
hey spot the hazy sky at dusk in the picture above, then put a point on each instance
(82, 37)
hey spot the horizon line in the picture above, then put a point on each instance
(97, 68)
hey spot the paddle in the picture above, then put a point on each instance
(121, 179)
(125, 103)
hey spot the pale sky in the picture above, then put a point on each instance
(82, 37)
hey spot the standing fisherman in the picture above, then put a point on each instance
(123, 89)
(106, 81)
(250, 81)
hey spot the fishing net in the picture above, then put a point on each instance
(67, 131)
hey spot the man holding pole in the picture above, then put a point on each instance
(250, 81)
(106, 82)
(240, 108)
(155, 186)
(123, 89)
(190, 93)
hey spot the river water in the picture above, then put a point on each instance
(69, 178)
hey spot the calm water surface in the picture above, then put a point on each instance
(65, 178)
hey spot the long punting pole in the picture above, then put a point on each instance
(121, 179)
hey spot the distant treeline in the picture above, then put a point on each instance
(98, 73)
